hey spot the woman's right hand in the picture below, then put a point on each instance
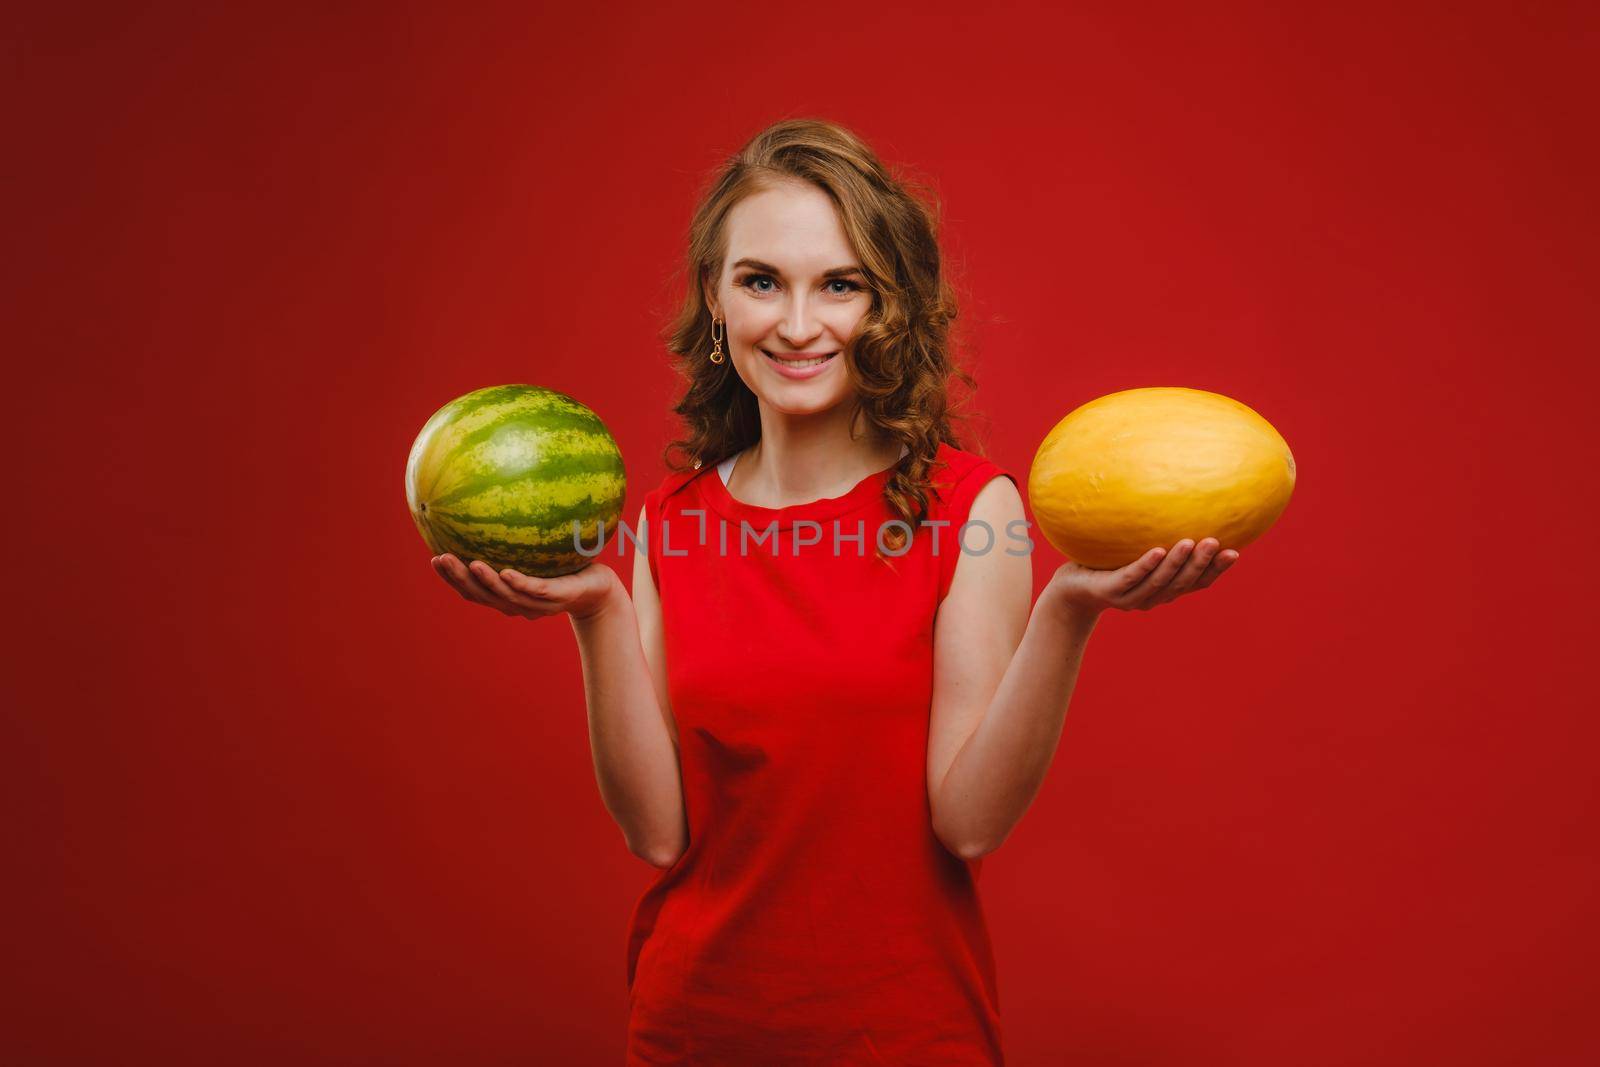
(581, 594)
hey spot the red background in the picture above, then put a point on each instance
(278, 796)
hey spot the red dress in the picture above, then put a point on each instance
(814, 918)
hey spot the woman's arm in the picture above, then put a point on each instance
(631, 731)
(1002, 763)
(1002, 682)
(998, 701)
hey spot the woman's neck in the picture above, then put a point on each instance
(796, 463)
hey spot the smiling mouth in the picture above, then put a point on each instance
(788, 361)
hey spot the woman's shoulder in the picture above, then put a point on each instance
(673, 483)
(957, 469)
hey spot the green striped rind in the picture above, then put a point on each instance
(504, 472)
(477, 419)
(480, 470)
(546, 560)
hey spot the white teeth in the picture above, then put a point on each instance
(797, 362)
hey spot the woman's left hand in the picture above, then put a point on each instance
(1156, 577)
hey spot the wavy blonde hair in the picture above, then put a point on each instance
(901, 362)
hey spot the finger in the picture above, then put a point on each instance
(1139, 569)
(1185, 579)
(503, 593)
(442, 565)
(1157, 580)
(466, 583)
(528, 585)
(1219, 566)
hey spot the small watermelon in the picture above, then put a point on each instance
(503, 474)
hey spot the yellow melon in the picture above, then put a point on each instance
(1146, 468)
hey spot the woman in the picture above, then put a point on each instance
(819, 708)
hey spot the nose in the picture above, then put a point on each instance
(800, 327)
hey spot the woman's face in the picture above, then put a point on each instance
(790, 285)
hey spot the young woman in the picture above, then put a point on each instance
(827, 697)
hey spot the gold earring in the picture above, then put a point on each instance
(716, 354)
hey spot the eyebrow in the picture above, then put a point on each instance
(836, 272)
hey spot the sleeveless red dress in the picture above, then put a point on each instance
(814, 918)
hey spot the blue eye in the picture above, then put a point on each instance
(749, 282)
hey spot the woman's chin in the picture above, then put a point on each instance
(794, 402)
